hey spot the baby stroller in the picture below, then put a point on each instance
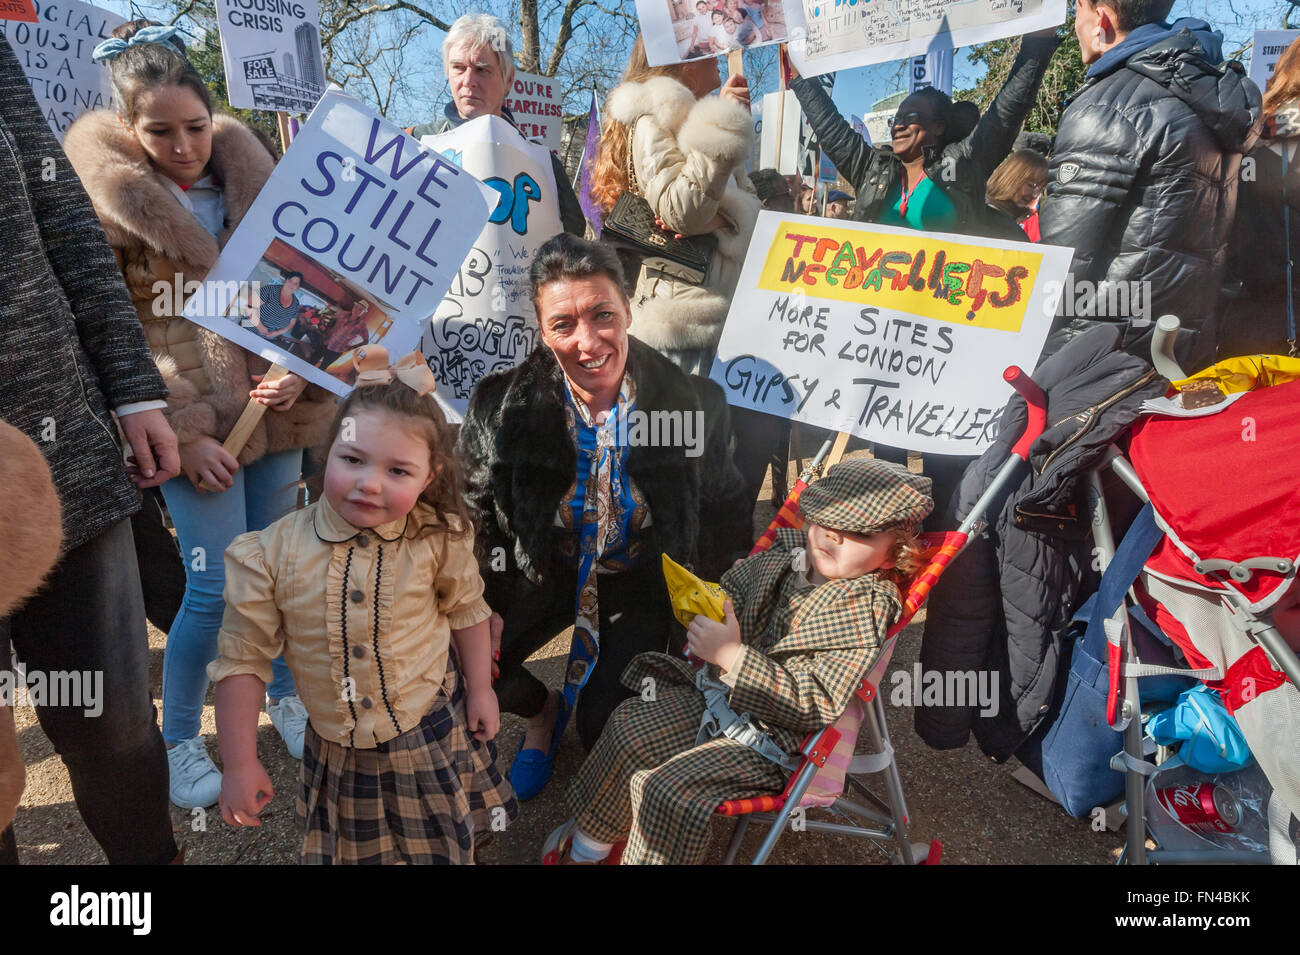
(825, 770)
(1219, 541)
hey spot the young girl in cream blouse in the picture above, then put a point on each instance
(373, 594)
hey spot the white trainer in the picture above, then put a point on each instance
(194, 780)
(289, 717)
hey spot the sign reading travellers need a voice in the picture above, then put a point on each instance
(895, 335)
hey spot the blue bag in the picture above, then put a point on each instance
(1071, 751)
(1212, 740)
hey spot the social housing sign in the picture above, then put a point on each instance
(54, 49)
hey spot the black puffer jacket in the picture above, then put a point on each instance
(1006, 602)
(1143, 183)
(960, 169)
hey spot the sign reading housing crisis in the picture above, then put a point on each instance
(894, 335)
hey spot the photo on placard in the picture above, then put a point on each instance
(701, 28)
(297, 304)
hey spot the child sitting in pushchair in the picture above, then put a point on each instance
(809, 617)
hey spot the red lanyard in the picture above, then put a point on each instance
(902, 203)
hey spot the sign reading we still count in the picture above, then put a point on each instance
(894, 335)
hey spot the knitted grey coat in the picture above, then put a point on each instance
(71, 346)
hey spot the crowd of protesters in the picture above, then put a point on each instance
(1143, 180)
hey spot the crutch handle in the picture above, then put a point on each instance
(1037, 404)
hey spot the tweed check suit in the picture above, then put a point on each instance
(805, 649)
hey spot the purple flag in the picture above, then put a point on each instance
(590, 208)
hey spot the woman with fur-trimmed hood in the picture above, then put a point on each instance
(170, 182)
(684, 151)
(687, 155)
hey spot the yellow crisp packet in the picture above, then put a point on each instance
(1248, 373)
(690, 596)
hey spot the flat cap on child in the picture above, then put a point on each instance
(866, 496)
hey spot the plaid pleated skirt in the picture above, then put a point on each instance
(421, 798)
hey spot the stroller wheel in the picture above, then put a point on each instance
(922, 854)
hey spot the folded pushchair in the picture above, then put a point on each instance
(1222, 488)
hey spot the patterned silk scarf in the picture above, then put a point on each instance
(604, 529)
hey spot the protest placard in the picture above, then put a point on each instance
(271, 53)
(486, 322)
(18, 10)
(536, 103)
(838, 35)
(1267, 50)
(680, 30)
(893, 335)
(353, 240)
(780, 119)
(54, 51)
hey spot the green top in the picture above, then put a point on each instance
(928, 208)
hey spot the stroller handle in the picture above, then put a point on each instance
(1037, 404)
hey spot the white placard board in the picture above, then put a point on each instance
(272, 59)
(778, 141)
(486, 321)
(840, 36)
(537, 105)
(55, 54)
(894, 335)
(365, 215)
(1267, 50)
(676, 31)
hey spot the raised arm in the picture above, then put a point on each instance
(991, 140)
(683, 177)
(850, 153)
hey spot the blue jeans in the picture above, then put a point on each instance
(206, 524)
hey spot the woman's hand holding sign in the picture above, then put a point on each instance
(278, 394)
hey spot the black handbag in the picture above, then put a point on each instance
(631, 223)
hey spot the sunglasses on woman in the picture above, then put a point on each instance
(905, 119)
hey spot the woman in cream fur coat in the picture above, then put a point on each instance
(688, 152)
(170, 182)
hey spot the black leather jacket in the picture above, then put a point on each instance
(1143, 187)
(960, 169)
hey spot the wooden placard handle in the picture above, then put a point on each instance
(282, 127)
(253, 412)
(736, 63)
(837, 451)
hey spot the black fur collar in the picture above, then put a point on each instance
(535, 459)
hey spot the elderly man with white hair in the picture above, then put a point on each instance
(480, 65)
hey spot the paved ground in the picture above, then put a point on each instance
(974, 807)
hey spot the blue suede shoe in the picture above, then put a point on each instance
(531, 770)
